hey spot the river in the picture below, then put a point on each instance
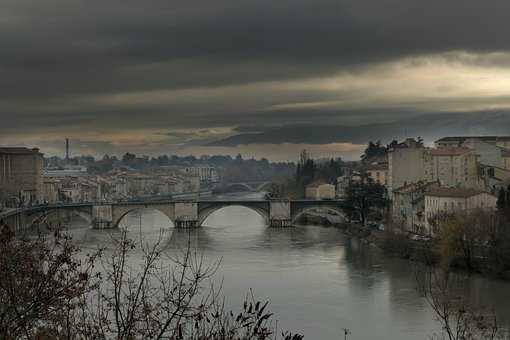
(317, 279)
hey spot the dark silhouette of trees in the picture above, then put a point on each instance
(363, 195)
(373, 150)
(308, 171)
(503, 202)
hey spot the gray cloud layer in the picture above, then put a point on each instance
(71, 65)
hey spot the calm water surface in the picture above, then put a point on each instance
(318, 280)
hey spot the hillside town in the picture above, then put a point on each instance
(457, 174)
(26, 181)
(421, 182)
(28, 178)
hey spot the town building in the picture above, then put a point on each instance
(408, 208)
(454, 167)
(378, 172)
(441, 202)
(51, 189)
(21, 175)
(66, 171)
(319, 191)
(342, 184)
(487, 153)
(408, 163)
(505, 155)
(204, 173)
(457, 141)
(493, 178)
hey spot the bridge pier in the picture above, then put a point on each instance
(280, 223)
(184, 214)
(186, 224)
(102, 216)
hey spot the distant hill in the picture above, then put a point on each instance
(428, 126)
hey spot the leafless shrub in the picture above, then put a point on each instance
(47, 293)
(42, 282)
(458, 320)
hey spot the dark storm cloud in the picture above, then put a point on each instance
(430, 127)
(58, 56)
(95, 46)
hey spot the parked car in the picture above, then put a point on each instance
(420, 238)
(373, 225)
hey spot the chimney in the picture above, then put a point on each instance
(67, 149)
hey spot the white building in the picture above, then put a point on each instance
(455, 166)
(205, 173)
(408, 165)
(408, 206)
(318, 191)
(488, 153)
(441, 202)
(501, 141)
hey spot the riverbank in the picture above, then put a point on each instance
(400, 245)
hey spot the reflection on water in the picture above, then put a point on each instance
(318, 280)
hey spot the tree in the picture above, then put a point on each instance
(461, 235)
(128, 158)
(329, 171)
(41, 286)
(458, 320)
(364, 195)
(373, 150)
(47, 292)
(501, 203)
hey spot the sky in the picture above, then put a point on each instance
(202, 76)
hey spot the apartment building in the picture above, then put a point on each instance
(408, 165)
(21, 175)
(455, 167)
(378, 172)
(457, 141)
(409, 205)
(441, 202)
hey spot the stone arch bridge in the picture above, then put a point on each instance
(254, 186)
(277, 213)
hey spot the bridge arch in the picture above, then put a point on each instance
(206, 212)
(233, 186)
(266, 185)
(333, 209)
(41, 217)
(119, 216)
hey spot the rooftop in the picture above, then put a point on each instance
(463, 138)
(411, 187)
(377, 166)
(453, 192)
(455, 151)
(317, 183)
(19, 151)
